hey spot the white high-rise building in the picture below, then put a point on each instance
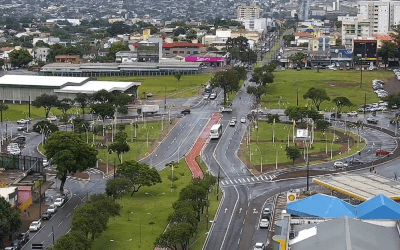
(384, 14)
(248, 11)
(360, 27)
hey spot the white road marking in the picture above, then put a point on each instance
(60, 223)
(68, 215)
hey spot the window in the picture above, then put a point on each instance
(175, 52)
(181, 52)
(167, 49)
(188, 53)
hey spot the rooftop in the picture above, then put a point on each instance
(44, 81)
(94, 86)
(362, 187)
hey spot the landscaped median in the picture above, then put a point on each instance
(272, 154)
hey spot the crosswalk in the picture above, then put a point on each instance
(247, 180)
(77, 180)
(91, 171)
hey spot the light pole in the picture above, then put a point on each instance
(147, 135)
(87, 132)
(155, 201)
(261, 158)
(276, 155)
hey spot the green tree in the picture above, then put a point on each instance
(80, 125)
(116, 47)
(105, 204)
(178, 76)
(393, 100)
(322, 125)
(119, 145)
(69, 153)
(45, 127)
(45, 29)
(288, 38)
(293, 153)
(20, 57)
(103, 104)
(1, 63)
(298, 58)
(183, 213)
(46, 101)
(257, 91)
(90, 220)
(117, 187)
(139, 174)
(228, 80)
(10, 220)
(341, 102)
(83, 100)
(27, 44)
(317, 96)
(3, 107)
(273, 118)
(388, 50)
(175, 237)
(64, 105)
(121, 102)
(196, 194)
(118, 28)
(73, 240)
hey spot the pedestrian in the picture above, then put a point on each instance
(395, 177)
(29, 215)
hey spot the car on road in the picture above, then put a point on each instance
(52, 118)
(46, 216)
(35, 225)
(24, 237)
(336, 115)
(352, 114)
(259, 246)
(243, 119)
(17, 244)
(264, 223)
(257, 111)
(52, 209)
(22, 128)
(206, 96)
(381, 152)
(340, 164)
(59, 202)
(356, 162)
(266, 212)
(23, 121)
(372, 120)
(213, 96)
(234, 119)
(185, 111)
(232, 123)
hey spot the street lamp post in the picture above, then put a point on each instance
(155, 201)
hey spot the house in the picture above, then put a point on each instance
(180, 49)
(301, 38)
(10, 194)
(67, 59)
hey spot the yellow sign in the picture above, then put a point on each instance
(3, 184)
(291, 197)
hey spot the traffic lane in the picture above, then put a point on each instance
(220, 230)
(235, 231)
(181, 139)
(60, 222)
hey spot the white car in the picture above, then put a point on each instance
(243, 120)
(232, 123)
(352, 114)
(264, 223)
(259, 246)
(23, 121)
(234, 119)
(340, 164)
(52, 209)
(59, 202)
(35, 225)
(52, 118)
(258, 111)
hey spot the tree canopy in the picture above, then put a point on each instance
(19, 58)
(45, 127)
(298, 59)
(10, 220)
(317, 96)
(46, 101)
(69, 153)
(228, 80)
(341, 102)
(120, 145)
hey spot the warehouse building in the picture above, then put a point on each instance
(25, 88)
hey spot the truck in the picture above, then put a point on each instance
(148, 109)
(226, 110)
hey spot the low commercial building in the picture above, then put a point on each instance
(25, 88)
(181, 49)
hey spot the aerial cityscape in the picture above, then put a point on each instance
(202, 125)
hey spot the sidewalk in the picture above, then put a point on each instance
(198, 146)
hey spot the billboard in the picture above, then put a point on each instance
(302, 133)
(204, 59)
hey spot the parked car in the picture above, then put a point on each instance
(340, 164)
(59, 202)
(24, 237)
(243, 119)
(9, 248)
(336, 115)
(352, 114)
(264, 223)
(65, 197)
(232, 123)
(150, 95)
(356, 162)
(35, 225)
(213, 95)
(17, 244)
(257, 111)
(52, 118)
(259, 246)
(206, 96)
(266, 213)
(372, 120)
(185, 111)
(46, 216)
(52, 209)
(381, 152)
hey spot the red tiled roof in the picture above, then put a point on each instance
(7, 48)
(302, 34)
(177, 45)
(383, 37)
(67, 57)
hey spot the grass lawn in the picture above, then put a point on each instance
(134, 224)
(267, 149)
(188, 85)
(19, 111)
(336, 83)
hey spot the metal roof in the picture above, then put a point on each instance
(94, 86)
(362, 187)
(40, 81)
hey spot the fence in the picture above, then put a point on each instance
(21, 162)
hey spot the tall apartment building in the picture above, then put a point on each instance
(384, 14)
(360, 27)
(248, 11)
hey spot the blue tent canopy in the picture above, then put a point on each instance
(379, 207)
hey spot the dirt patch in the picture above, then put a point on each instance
(343, 84)
(392, 86)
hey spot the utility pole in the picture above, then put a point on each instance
(165, 99)
(297, 96)
(29, 110)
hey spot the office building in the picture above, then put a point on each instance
(248, 11)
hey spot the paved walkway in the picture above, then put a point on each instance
(198, 146)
